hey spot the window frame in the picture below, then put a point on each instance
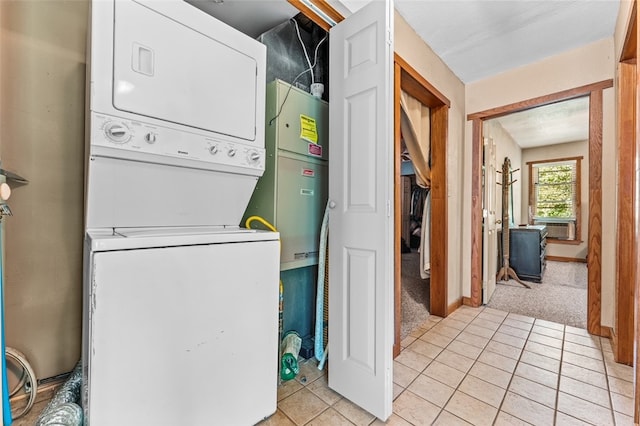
(578, 196)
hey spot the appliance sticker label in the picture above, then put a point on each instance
(308, 192)
(315, 150)
(308, 172)
(308, 129)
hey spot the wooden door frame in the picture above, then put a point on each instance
(408, 79)
(594, 259)
(626, 335)
(624, 328)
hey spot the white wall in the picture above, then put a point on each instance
(572, 149)
(506, 147)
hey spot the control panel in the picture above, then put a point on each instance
(138, 137)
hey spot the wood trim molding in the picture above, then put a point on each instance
(628, 216)
(555, 160)
(531, 193)
(466, 301)
(629, 130)
(415, 84)
(566, 259)
(625, 232)
(455, 305)
(594, 259)
(476, 214)
(635, 35)
(564, 242)
(439, 209)
(630, 46)
(542, 100)
(397, 191)
(439, 230)
(606, 332)
(328, 10)
(311, 14)
(578, 195)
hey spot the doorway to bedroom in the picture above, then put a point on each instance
(543, 205)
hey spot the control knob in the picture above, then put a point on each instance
(253, 156)
(213, 149)
(117, 132)
(231, 152)
(151, 137)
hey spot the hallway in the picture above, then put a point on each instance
(482, 366)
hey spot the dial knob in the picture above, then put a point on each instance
(5, 191)
(151, 137)
(253, 156)
(117, 132)
(213, 149)
(231, 152)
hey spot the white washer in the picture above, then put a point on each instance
(182, 327)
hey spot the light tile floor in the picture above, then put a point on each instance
(481, 366)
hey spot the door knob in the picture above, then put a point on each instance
(498, 221)
(332, 204)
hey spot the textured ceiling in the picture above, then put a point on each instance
(557, 123)
(475, 38)
(480, 38)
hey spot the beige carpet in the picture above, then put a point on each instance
(415, 294)
(561, 297)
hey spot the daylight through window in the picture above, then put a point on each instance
(555, 197)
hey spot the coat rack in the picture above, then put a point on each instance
(506, 272)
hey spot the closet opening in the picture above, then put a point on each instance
(415, 241)
(421, 117)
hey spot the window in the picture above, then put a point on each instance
(554, 197)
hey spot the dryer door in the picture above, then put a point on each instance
(168, 69)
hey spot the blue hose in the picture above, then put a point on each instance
(6, 407)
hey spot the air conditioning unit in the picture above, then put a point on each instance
(562, 230)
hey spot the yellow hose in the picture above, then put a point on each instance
(269, 226)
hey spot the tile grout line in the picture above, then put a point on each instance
(555, 411)
(606, 376)
(513, 374)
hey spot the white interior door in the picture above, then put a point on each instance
(490, 234)
(361, 193)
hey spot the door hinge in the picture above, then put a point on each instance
(389, 38)
(388, 208)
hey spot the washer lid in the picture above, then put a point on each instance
(138, 238)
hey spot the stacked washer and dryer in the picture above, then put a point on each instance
(180, 304)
